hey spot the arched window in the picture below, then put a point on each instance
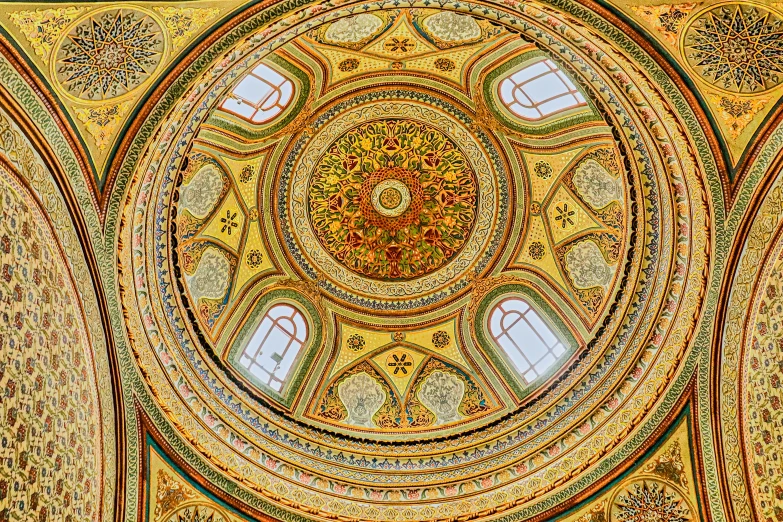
(539, 90)
(527, 340)
(260, 96)
(277, 341)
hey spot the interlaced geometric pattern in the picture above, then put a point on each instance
(737, 48)
(109, 55)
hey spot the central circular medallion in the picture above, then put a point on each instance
(393, 206)
(393, 199)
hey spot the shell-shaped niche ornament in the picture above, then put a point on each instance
(362, 397)
(442, 394)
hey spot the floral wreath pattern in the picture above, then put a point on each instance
(406, 229)
(485, 470)
(462, 190)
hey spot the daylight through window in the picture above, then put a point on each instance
(527, 340)
(539, 90)
(277, 341)
(260, 96)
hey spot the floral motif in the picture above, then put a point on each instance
(348, 65)
(763, 418)
(247, 174)
(109, 54)
(170, 493)
(42, 27)
(669, 465)
(102, 122)
(737, 47)
(399, 45)
(202, 512)
(444, 64)
(362, 397)
(353, 29)
(211, 279)
(737, 112)
(440, 339)
(434, 199)
(452, 27)
(442, 394)
(543, 169)
(254, 258)
(596, 185)
(587, 266)
(202, 192)
(537, 250)
(645, 501)
(666, 19)
(184, 22)
(355, 342)
(399, 363)
(49, 403)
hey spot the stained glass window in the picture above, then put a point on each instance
(526, 339)
(272, 351)
(260, 96)
(539, 90)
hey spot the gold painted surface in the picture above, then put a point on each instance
(737, 116)
(40, 29)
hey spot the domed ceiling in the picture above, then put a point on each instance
(421, 261)
(386, 286)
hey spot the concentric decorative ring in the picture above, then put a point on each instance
(391, 197)
(441, 221)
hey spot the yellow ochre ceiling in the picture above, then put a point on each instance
(391, 261)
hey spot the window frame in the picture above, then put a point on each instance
(304, 345)
(232, 98)
(560, 340)
(572, 90)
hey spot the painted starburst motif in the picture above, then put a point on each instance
(647, 501)
(109, 54)
(738, 48)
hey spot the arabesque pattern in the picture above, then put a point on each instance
(432, 227)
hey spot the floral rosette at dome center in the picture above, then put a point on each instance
(393, 199)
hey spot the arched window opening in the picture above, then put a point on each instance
(260, 96)
(277, 341)
(539, 90)
(528, 341)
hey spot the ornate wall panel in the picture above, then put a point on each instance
(100, 60)
(749, 379)
(52, 451)
(731, 50)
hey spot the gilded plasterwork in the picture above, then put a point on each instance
(415, 230)
(761, 386)
(53, 446)
(732, 52)
(173, 498)
(102, 59)
(382, 386)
